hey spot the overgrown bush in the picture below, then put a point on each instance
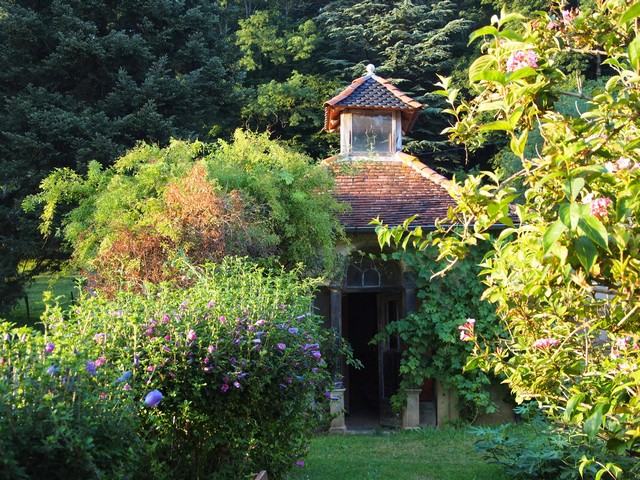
(431, 334)
(227, 375)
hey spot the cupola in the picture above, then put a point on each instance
(372, 116)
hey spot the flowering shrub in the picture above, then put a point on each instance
(565, 276)
(227, 375)
(58, 419)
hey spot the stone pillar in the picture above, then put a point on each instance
(336, 406)
(446, 405)
(411, 413)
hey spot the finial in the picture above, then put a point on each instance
(371, 69)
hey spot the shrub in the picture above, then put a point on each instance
(57, 420)
(227, 374)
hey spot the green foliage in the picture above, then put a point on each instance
(56, 420)
(431, 335)
(236, 358)
(564, 277)
(536, 449)
(250, 197)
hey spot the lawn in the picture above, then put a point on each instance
(29, 309)
(430, 454)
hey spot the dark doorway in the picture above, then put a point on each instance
(360, 325)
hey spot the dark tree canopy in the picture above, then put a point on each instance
(87, 79)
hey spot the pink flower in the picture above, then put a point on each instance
(598, 205)
(466, 330)
(100, 361)
(521, 59)
(48, 348)
(545, 343)
(191, 335)
(300, 463)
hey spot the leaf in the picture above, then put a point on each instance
(570, 214)
(634, 52)
(553, 233)
(586, 251)
(497, 125)
(490, 76)
(595, 230)
(571, 405)
(485, 62)
(631, 13)
(572, 188)
(518, 144)
(593, 422)
(521, 73)
(481, 32)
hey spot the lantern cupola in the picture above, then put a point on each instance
(371, 115)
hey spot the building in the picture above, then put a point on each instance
(377, 179)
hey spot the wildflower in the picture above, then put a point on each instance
(91, 367)
(183, 305)
(191, 335)
(466, 330)
(100, 361)
(281, 346)
(545, 343)
(52, 370)
(224, 387)
(293, 330)
(521, 59)
(623, 163)
(48, 348)
(103, 395)
(211, 349)
(124, 377)
(316, 354)
(236, 384)
(136, 360)
(300, 463)
(211, 304)
(222, 319)
(260, 322)
(126, 386)
(153, 398)
(151, 368)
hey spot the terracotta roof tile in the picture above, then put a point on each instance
(393, 189)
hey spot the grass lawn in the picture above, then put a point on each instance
(430, 454)
(63, 287)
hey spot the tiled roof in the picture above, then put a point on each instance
(393, 189)
(371, 92)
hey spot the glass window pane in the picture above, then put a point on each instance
(372, 133)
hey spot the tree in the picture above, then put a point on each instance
(409, 42)
(85, 80)
(130, 223)
(564, 274)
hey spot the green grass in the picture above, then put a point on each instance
(63, 287)
(430, 454)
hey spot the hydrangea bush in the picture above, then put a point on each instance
(226, 377)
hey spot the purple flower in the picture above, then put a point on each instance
(293, 330)
(222, 319)
(224, 387)
(191, 335)
(183, 305)
(300, 463)
(281, 346)
(91, 367)
(236, 384)
(52, 370)
(211, 304)
(317, 354)
(260, 322)
(211, 349)
(100, 337)
(151, 368)
(48, 348)
(136, 360)
(124, 377)
(126, 386)
(153, 398)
